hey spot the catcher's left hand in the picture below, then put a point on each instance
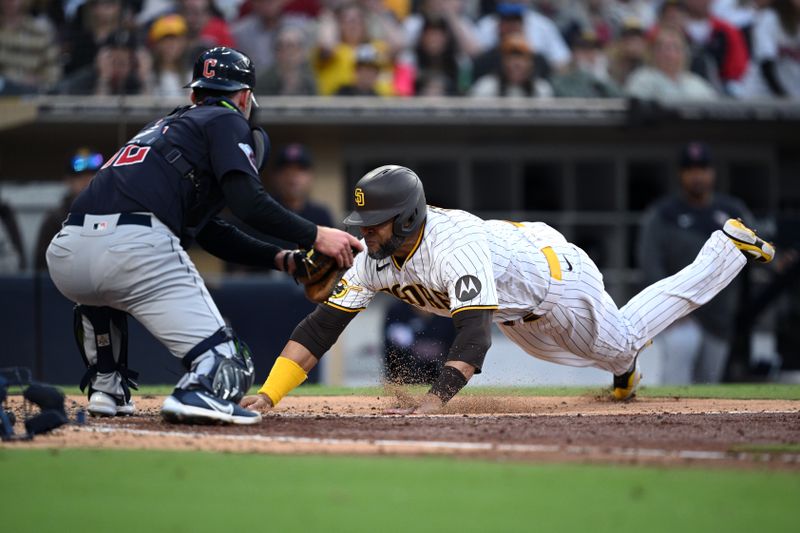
(318, 273)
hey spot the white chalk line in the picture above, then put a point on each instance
(656, 453)
(585, 414)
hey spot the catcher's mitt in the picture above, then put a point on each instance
(318, 273)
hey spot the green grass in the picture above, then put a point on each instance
(765, 391)
(739, 391)
(771, 449)
(126, 491)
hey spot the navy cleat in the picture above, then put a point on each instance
(198, 406)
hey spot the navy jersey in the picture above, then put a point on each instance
(213, 139)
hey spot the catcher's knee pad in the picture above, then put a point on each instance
(226, 376)
(102, 337)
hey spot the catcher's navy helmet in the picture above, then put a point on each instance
(388, 192)
(223, 69)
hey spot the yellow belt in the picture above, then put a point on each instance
(555, 273)
(552, 258)
(552, 262)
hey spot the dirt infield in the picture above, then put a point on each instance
(585, 429)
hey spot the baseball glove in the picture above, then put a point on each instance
(317, 272)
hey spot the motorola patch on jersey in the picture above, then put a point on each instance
(467, 288)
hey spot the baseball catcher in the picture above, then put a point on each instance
(121, 250)
(544, 293)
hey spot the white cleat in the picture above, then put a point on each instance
(104, 404)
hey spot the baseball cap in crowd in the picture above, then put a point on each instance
(516, 43)
(85, 160)
(166, 26)
(366, 54)
(695, 154)
(587, 39)
(509, 10)
(631, 26)
(294, 154)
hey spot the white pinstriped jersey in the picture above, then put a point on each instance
(548, 294)
(459, 262)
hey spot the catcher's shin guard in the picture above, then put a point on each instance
(101, 334)
(219, 372)
(227, 376)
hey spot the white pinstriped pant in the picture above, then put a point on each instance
(586, 328)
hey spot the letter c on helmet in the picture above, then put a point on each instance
(207, 71)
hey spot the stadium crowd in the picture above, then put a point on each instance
(655, 49)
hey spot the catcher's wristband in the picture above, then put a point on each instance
(284, 376)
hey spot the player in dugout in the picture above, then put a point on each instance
(545, 293)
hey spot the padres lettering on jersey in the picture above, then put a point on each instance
(462, 262)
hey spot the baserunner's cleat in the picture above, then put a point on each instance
(747, 241)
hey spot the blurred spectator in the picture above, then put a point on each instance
(399, 8)
(622, 11)
(433, 83)
(121, 67)
(206, 28)
(256, 34)
(95, 22)
(673, 15)
(171, 67)
(382, 25)
(628, 53)
(80, 170)
(152, 9)
(306, 8)
(673, 231)
(291, 73)
(718, 50)
(334, 60)
(458, 23)
(230, 9)
(587, 76)
(509, 22)
(417, 344)
(516, 76)
(739, 13)
(436, 54)
(668, 79)
(50, 10)
(575, 17)
(368, 68)
(776, 52)
(540, 32)
(28, 52)
(12, 256)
